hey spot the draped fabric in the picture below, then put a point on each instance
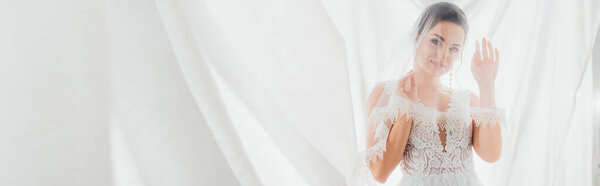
(235, 92)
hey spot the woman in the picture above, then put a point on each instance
(425, 127)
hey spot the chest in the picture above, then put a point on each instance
(442, 131)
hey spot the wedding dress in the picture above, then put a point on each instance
(426, 160)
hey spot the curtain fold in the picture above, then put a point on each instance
(159, 136)
(210, 92)
(288, 98)
(198, 77)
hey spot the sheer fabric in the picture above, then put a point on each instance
(136, 92)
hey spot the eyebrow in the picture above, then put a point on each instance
(442, 38)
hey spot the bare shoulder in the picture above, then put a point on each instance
(375, 94)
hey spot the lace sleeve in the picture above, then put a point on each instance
(488, 117)
(380, 123)
(378, 127)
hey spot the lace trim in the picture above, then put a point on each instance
(376, 151)
(383, 117)
(488, 117)
(362, 174)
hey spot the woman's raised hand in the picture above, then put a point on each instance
(485, 63)
(407, 86)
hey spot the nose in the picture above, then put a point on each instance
(443, 55)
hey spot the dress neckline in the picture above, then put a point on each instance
(450, 105)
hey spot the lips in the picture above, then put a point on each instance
(437, 64)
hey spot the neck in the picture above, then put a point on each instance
(426, 80)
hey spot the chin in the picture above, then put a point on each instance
(436, 71)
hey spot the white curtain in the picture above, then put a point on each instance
(188, 92)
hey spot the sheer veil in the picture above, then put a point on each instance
(398, 92)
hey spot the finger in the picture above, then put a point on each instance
(497, 56)
(403, 79)
(402, 83)
(485, 50)
(413, 83)
(408, 85)
(477, 55)
(414, 87)
(491, 59)
(474, 58)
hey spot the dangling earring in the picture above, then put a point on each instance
(450, 79)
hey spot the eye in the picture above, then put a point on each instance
(435, 41)
(454, 49)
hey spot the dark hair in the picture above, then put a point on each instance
(442, 11)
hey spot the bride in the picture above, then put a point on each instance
(425, 127)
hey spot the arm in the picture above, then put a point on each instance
(395, 145)
(397, 137)
(487, 141)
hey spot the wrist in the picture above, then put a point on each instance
(486, 87)
(487, 96)
(487, 99)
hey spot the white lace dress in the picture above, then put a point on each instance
(426, 160)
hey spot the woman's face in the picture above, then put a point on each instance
(440, 47)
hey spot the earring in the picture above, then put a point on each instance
(450, 79)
